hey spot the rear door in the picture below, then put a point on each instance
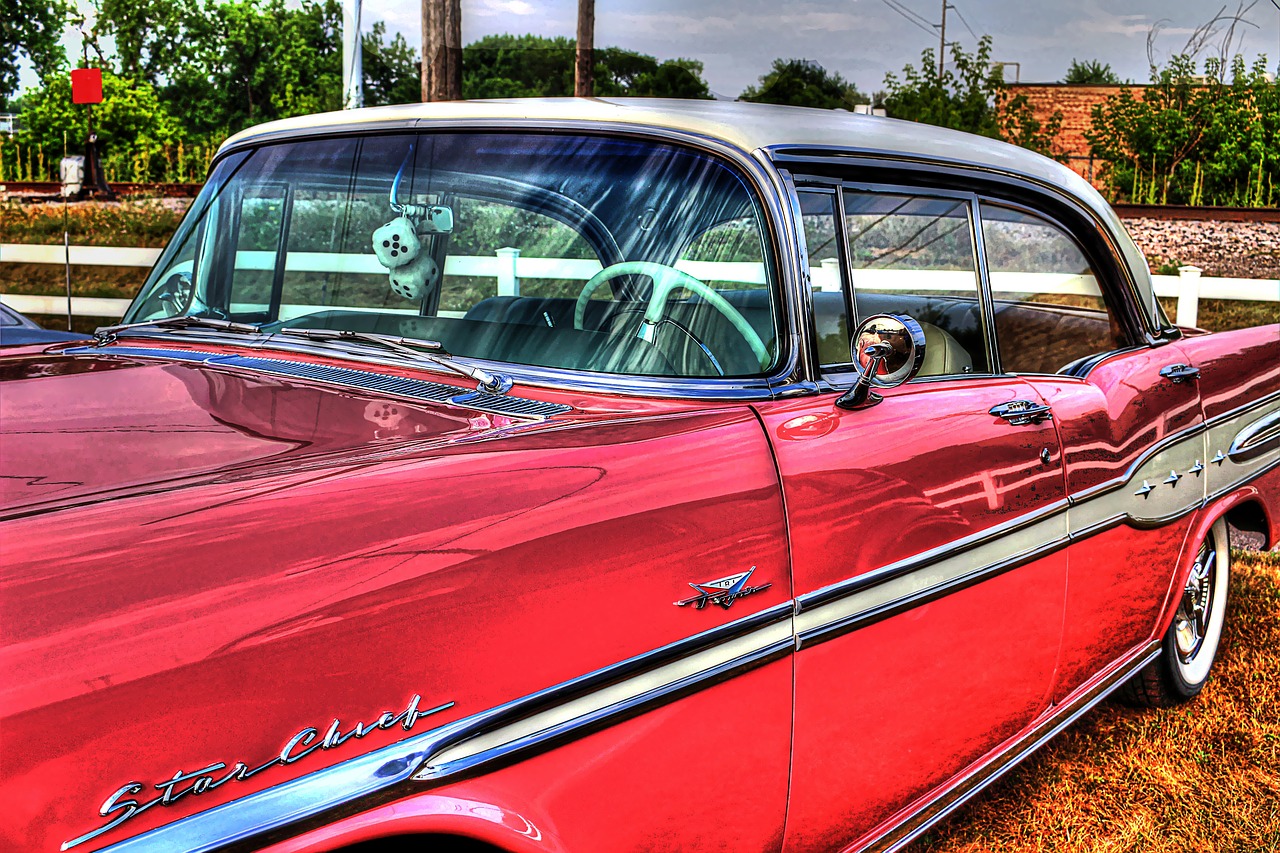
(926, 531)
(1128, 419)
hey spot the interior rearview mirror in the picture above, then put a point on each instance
(887, 350)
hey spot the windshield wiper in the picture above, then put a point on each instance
(490, 383)
(106, 334)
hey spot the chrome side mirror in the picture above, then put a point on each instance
(888, 350)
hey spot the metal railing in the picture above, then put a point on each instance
(508, 268)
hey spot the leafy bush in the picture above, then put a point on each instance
(1193, 139)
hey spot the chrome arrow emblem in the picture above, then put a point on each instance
(1196, 468)
(1173, 479)
(1146, 489)
(724, 591)
(1219, 459)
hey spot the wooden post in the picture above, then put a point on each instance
(430, 47)
(441, 50)
(452, 21)
(584, 83)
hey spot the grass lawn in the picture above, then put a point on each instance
(1201, 777)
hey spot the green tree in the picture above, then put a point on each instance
(392, 69)
(627, 73)
(1091, 72)
(132, 125)
(1193, 138)
(528, 66)
(803, 83)
(151, 36)
(1020, 125)
(31, 28)
(965, 97)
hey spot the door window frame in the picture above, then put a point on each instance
(1108, 279)
(832, 377)
(1111, 273)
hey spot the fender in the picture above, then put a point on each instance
(1205, 519)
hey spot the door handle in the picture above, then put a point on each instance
(1179, 372)
(1022, 412)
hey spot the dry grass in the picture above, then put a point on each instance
(1201, 777)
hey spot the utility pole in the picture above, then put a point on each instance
(584, 65)
(441, 50)
(942, 42)
(352, 57)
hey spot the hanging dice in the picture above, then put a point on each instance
(396, 243)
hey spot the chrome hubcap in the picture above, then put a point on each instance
(1192, 620)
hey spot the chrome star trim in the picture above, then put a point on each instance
(1219, 459)
(215, 775)
(1173, 479)
(1146, 489)
(1196, 468)
(723, 591)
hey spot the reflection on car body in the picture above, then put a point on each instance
(428, 415)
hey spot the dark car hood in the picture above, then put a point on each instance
(85, 427)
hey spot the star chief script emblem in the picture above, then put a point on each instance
(723, 592)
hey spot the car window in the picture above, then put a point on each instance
(831, 309)
(1049, 310)
(913, 254)
(552, 250)
(500, 250)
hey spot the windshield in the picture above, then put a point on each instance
(577, 252)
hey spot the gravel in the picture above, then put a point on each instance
(1228, 249)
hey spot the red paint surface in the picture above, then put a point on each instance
(200, 564)
(888, 712)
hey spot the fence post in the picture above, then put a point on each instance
(831, 275)
(508, 281)
(1188, 295)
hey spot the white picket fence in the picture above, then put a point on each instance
(508, 268)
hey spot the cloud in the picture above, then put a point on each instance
(495, 8)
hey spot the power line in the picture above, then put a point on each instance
(907, 17)
(966, 23)
(913, 13)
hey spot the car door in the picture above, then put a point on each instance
(1128, 419)
(926, 531)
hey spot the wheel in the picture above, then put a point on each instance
(1191, 643)
(665, 280)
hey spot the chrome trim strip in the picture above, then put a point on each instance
(948, 801)
(1086, 513)
(947, 551)
(1259, 437)
(895, 606)
(598, 698)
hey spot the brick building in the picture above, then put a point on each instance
(1076, 103)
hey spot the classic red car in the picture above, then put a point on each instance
(594, 476)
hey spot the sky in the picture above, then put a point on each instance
(861, 39)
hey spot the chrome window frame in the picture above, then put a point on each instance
(842, 379)
(1007, 186)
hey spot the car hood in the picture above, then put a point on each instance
(88, 427)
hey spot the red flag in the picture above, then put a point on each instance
(86, 85)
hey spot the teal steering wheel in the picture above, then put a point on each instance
(665, 280)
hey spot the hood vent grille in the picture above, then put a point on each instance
(417, 389)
